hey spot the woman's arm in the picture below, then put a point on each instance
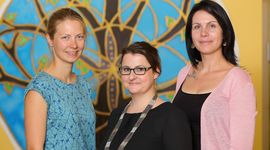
(242, 117)
(35, 113)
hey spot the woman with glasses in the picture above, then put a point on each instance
(146, 122)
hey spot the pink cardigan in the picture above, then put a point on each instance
(228, 114)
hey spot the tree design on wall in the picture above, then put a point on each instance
(111, 26)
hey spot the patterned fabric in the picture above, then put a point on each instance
(70, 116)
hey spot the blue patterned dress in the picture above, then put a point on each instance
(70, 117)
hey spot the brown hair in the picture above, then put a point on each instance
(62, 15)
(148, 51)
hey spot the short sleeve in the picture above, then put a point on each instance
(39, 85)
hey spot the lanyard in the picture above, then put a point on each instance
(135, 127)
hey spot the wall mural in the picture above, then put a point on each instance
(111, 25)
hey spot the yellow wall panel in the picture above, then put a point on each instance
(5, 143)
(246, 16)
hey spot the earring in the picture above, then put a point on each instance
(224, 44)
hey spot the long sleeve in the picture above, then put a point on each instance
(228, 114)
(242, 116)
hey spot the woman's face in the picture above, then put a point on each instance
(206, 33)
(68, 42)
(138, 84)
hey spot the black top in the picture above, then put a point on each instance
(164, 128)
(191, 104)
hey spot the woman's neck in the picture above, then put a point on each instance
(139, 102)
(211, 63)
(61, 72)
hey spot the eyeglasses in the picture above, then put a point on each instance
(140, 70)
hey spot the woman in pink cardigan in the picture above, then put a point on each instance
(217, 95)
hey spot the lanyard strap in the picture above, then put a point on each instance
(135, 127)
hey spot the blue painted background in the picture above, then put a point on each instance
(24, 50)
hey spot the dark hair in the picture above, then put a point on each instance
(145, 49)
(220, 14)
(62, 15)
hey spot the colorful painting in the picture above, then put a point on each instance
(111, 25)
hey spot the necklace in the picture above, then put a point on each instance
(135, 127)
(193, 74)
